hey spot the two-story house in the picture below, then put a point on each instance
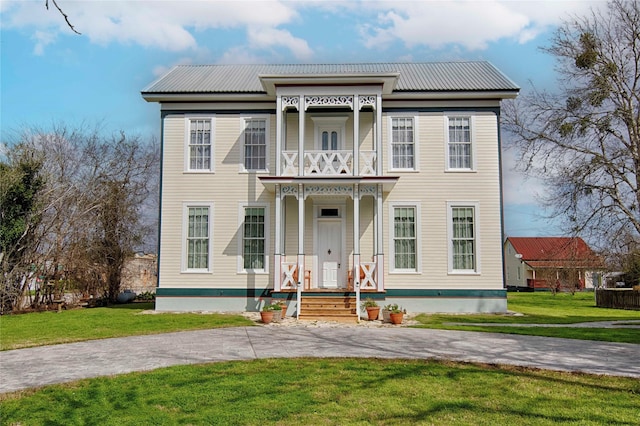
(353, 180)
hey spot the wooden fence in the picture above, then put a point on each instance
(618, 298)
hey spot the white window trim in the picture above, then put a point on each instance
(185, 230)
(476, 223)
(240, 266)
(321, 123)
(416, 152)
(267, 129)
(392, 250)
(472, 125)
(187, 137)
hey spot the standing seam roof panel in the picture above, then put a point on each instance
(436, 76)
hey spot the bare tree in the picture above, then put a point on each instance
(584, 140)
(93, 210)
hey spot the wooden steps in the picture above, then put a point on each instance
(328, 308)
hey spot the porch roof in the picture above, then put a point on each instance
(270, 182)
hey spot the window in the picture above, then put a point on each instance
(253, 238)
(463, 244)
(519, 274)
(402, 143)
(329, 140)
(404, 233)
(329, 132)
(198, 237)
(199, 144)
(255, 143)
(459, 145)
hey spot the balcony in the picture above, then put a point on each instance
(329, 163)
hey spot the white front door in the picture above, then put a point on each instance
(329, 252)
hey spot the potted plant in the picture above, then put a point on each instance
(283, 307)
(396, 313)
(277, 311)
(266, 315)
(386, 312)
(373, 310)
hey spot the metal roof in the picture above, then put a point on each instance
(546, 252)
(413, 77)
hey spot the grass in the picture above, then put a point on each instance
(331, 391)
(545, 308)
(48, 328)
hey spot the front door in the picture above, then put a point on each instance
(329, 253)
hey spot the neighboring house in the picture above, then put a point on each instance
(541, 262)
(266, 195)
(139, 274)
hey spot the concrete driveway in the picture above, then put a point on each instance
(32, 367)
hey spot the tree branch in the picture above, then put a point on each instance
(66, 18)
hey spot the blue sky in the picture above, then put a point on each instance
(49, 75)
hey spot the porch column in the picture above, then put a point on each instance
(277, 250)
(300, 235)
(356, 136)
(379, 240)
(378, 134)
(356, 235)
(301, 111)
(279, 121)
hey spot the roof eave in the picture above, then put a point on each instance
(388, 81)
(203, 97)
(262, 96)
(454, 94)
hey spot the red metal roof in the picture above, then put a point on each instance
(555, 252)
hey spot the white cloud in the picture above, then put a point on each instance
(271, 37)
(42, 38)
(517, 188)
(240, 55)
(167, 25)
(174, 25)
(472, 24)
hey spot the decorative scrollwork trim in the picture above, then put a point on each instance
(319, 100)
(291, 101)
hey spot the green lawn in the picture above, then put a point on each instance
(48, 328)
(331, 392)
(545, 308)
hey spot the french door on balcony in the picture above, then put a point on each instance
(330, 139)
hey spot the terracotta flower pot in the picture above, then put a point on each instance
(284, 309)
(277, 315)
(396, 318)
(373, 312)
(266, 316)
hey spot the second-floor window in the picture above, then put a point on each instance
(402, 143)
(255, 143)
(199, 141)
(460, 149)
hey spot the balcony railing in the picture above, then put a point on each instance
(328, 163)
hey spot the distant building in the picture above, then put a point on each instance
(540, 262)
(140, 274)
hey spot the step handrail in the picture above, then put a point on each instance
(357, 286)
(298, 299)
